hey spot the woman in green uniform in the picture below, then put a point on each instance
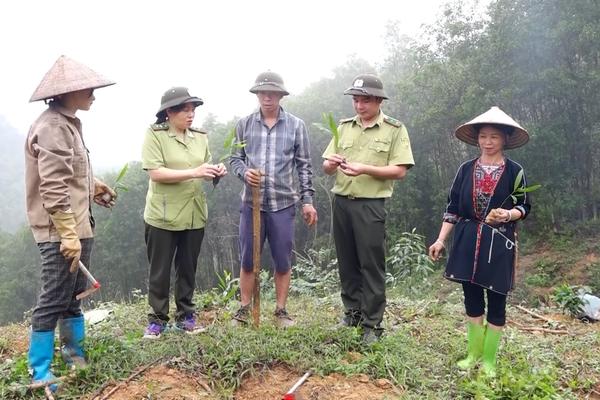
(176, 156)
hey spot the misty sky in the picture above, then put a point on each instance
(215, 48)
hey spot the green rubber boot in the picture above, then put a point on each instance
(491, 342)
(475, 335)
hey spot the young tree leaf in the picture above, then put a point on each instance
(518, 180)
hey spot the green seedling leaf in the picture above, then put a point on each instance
(331, 125)
(122, 173)
(529, 188)
(518, 180)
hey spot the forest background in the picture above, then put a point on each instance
(537, 60)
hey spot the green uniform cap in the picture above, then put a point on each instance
(176, 96)
(366, 85)
(269, 82)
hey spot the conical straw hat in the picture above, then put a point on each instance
(494, 115)
(67, 75)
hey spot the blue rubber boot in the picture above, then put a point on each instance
(72, 335)
(41, 352)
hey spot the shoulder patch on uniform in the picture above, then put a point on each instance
(345, 120)
(198, 130)
(392, 121)
(160, 127)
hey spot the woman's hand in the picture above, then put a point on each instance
(436, 250)
(221, 169)
(208, 171)
(497, 216)
(103, 195)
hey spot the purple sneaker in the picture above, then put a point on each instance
(154, 330)
(189, 325)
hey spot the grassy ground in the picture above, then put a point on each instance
(424, 339)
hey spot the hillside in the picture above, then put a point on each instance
(550, 358)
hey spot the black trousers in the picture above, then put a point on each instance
(166, 248)
(475, 303)
(359, 234)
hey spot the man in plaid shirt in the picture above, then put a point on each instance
(276, 144)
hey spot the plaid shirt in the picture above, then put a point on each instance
(275, 152)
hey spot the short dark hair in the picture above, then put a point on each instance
(162, 116)
(506, 129)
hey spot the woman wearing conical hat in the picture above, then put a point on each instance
(60, 189)
(483, 212)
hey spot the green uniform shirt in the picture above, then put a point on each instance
(182, 205)
(385, 143)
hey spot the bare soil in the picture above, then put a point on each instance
(160, 382)
(276, 381)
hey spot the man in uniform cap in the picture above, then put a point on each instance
(373, 151)
(276, 144)
(60, 189)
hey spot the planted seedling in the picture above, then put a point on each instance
(230, 145)
(330, 126)
(106, 197)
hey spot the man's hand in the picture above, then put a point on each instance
(336, 160)
(103, 195)
(252, 177)
(352, 169)
(309, 214)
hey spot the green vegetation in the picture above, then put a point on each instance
(424, 339)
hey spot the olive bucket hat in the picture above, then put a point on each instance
(366, 85)
(269, 82)
(174, 97)
(65, 76)
(517, 135)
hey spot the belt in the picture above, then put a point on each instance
(352, 197)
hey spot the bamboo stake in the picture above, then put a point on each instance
(256, 254)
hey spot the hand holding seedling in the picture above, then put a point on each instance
(497, 216)
(211, 170)
(106, 196)
(336, 160)
(103, 195)
(352, 169)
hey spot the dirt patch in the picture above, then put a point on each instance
(14, 341)
(275, 382)
(160, 382)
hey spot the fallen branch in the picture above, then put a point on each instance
(535, 328)
(546, 330)
(48, 393)
(39, 385)
(129, 378)
(536, 315)
(206, 388)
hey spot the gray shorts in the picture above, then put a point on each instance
(277, 227)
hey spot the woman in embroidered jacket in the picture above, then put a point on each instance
(483, 212)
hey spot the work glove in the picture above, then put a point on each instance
(70, 246)
(103, 195)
